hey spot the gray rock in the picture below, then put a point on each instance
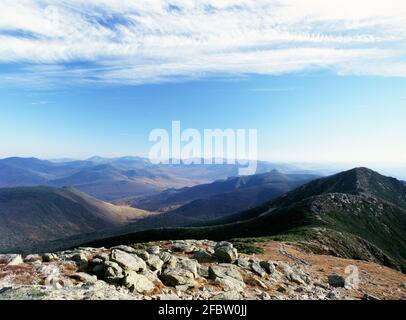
(169, 260)
(243, 263)
(167, 297)
(11, 259)
(155, 263)
(228, 276)
(125, 249)
(113, 273)
(370, 297)
(137, 282)
(204, 271)
(268, 266)
(154, 250)
(203, 256)
(256, 268)
(182, 247)
(177, 277)
(49, 257)
(225, 252)
(189, 265)
(224, 270)
(81, 260)
(33, 258)
(230, 295)
(143, 254)
(403, 285)
(102, 256)
(128, 261)
(336, 281)
(265, 296)
(84, 277)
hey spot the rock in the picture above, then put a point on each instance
(177, 277)
(256, 268)
(225, 252)
(203, 256)
(126, 249)
(143, 254)
(33, 258)
(81, 260)
(113, 273)
(102, 256)
(268, 266)
(182, 247)
(230, 284)
(243, 263)
(11, 259)
(155, 263)
(403, 285)
(137, 282)
(167, 297)
(265, 296)
(98, 270)
(224, 270)
(49, 257)
(230, 295)
(204, 271)
(128, 261)
(370, 297)
(189, 265)
(294, 277)
(228, 276)
(84, 277)
(154, 250)
(336, 281)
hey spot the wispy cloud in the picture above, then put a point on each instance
(135, 42)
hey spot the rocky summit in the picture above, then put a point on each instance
(193, 270)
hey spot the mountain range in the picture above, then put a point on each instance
(356, 214)
(112, 179)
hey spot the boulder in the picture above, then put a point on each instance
(257, 269)
(230, 296)
(11, 259)
(228, 276)
(224, 270)
(128, 261)
(143, 254)
(169, 260)
(49, 257)
(113, 273)
(182, 247)
(189, 265)
(125, 249)
(336, 281)
(154, 250)
(243, 263)
(268, 266)
(137, 282)
(155, 263)
(203, 256)
(225, 252)
(84, 277)
(177, 277)
(33, 258)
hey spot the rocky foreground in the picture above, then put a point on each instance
(194, 270)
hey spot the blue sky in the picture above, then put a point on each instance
(321, 84)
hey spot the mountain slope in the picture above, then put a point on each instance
(34, 214)
(222, 198)
(355, 214)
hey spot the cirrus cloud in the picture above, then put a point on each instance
(135, 42)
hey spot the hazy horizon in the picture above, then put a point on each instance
(320, 86)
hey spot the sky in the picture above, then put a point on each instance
(321, 83)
